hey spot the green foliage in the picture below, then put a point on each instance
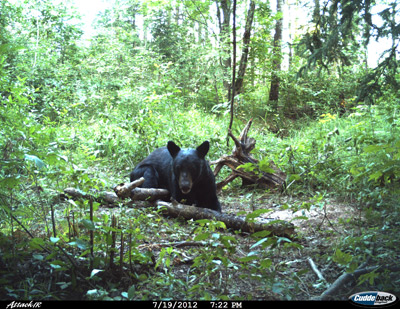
(75, 114)
(334, 37)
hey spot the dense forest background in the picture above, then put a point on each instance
(80, 109)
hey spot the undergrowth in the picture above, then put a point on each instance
(55, 249)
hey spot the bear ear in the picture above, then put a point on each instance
(173, 149)
(203, 149)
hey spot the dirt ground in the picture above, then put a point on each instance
(326, 223)
(319, 227)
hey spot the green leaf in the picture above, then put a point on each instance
(294, 177)
(261, 234)
(88, 224)
(257, 213)
(375, 176)
(265, 166)
(81, 244)
(10, 182)
(258, 243)
(39, 163)
(54, 239)
(65, 158)
(72, 202)
(95, 272)
(38, 257)
(92, 292)
(202, 236)
(370, 277)
(203, 222)
(57, 264)
(266, 263)
(372, 148)
(248, 167)
(216, 235)
(131, 292)
(352, 267)
(37, 243)
(248, 258)
(221, 225)
(342, 258)
(277, 288)
(299, 218)
(283, 239)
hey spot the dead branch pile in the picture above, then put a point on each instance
(240, 156)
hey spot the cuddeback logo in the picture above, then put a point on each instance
(373, 298)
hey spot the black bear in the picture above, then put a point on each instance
(183, 172)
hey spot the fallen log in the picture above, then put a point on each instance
(121, 192)
(240, 156)
(333, 291)
(102, 197)
(140, 194)
(144, 194)
(175, 210)
(277, 228)
(124, 190)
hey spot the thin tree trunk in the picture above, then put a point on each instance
(224, 7)
(277, 56)
(245, 48)
(233, 68)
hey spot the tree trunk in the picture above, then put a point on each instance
(245, 48)
(224, 9)
(277, 55)
(231, 93)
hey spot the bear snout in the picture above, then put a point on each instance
(185, 190)
(185, 183)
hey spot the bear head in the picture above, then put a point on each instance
(188, 164)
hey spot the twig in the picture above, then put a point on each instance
(316, 270)
(329, 221)
(113, 240)
(21, 225)
(91, 232)
(174, 244)
(121, 252)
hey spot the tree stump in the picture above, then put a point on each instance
(240, 156)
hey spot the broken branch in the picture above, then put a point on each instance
(241, 155)
(124, 190)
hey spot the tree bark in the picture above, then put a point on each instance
(245, 48)
(281, 228)
(277, 55)
(231, 93)
(224, 7)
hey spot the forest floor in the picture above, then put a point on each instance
(318, 230)
(320, 226)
